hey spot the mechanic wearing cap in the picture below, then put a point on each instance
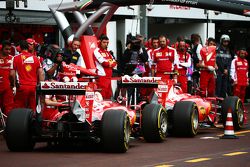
(52, 64)
(184, 64)
(239, 74)
(223, 60)
(104, 65)
(207, 65)
(32, 48)
(71, 55)
(6, 93)
(165, 58)
(31, 43)
(29, 70)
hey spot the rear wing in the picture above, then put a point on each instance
(139, 82)
(61, 88)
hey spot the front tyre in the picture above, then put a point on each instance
(115, 131)
(19, 130)
(185, 118)
(154, 123)
(236, 105)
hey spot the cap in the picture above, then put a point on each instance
(242, 48)
(224, 37)
(31, 41)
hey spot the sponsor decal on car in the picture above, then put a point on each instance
(90, 96)
(63, 85)
(137, 79)
(162, 88)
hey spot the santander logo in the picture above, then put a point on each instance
(137, 79)
(63, 85)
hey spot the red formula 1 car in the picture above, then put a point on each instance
(84, 115)
(186, 112)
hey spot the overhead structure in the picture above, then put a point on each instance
(229, 6)
(107, 9)
(79, 9)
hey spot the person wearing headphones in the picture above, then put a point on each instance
(104, 64)
(6, 93)
(184, 64)
(239, 74)
(224, 58)
(207, 65)
(52, 63)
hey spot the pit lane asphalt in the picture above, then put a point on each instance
(206, 149)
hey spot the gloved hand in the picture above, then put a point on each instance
(181, 64)
(210, 68)
(140, 51)
(14, 91)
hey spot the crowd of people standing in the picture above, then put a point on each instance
(217, 70)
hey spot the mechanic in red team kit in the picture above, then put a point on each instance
(239, 74)
(184, 63)
(165, 58)
(32, 46)
(6, 93)
(207, 63)
(30, 72)
(104, 64)
(154, 46)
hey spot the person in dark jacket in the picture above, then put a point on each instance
(134, 58)
(70, 54)
(224, 58)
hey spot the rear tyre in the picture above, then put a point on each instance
(115, 131)
(154, 123)
(185, 119)
(19, 130)
(236, 105)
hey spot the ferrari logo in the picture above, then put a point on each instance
(104, 55)
(202, 110)
(23, 57)
(158, 54)
(239, 63)
(28, 68)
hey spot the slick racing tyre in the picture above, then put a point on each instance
(19, 130)
(115, 131)
(185, 119)
(154, 123)
(236, 105)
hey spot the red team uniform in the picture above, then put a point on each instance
(104, 64)
(26, 65)
(207, 80)
(184, 63)
(165, 58)
(6, 93)
(239, 73)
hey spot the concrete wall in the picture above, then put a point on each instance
(111, 33)
(182, 29)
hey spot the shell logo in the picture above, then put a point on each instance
(28, 68)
